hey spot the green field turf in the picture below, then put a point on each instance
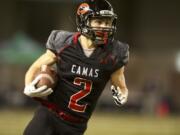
(13, 123)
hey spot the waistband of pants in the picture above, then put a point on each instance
(59, 112)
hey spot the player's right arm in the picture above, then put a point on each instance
(54, 43)
(48, 58)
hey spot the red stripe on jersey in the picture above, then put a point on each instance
(75, 37)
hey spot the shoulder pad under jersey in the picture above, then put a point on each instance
(58, 39)
(121, 53)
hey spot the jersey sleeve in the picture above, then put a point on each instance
(57, 40)
(50, 44)
(121, 52)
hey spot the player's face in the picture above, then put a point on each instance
(101, 27)
(101, 22)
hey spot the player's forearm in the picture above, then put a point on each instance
(48, 58)
(118, 80)
(30, 74)
(118, 87)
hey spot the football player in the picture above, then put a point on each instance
(85, 61)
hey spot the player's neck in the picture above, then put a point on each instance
(86, 43)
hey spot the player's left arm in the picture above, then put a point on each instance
(118, 87)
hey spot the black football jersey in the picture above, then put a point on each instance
(81, 78)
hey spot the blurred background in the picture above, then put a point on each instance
(151, 28)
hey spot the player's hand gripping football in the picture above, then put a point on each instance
(119, 97)
(32, 91)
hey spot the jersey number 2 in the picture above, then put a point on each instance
(73, 103)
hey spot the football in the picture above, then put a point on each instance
(48, 77)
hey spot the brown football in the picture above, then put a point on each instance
(48, 77)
